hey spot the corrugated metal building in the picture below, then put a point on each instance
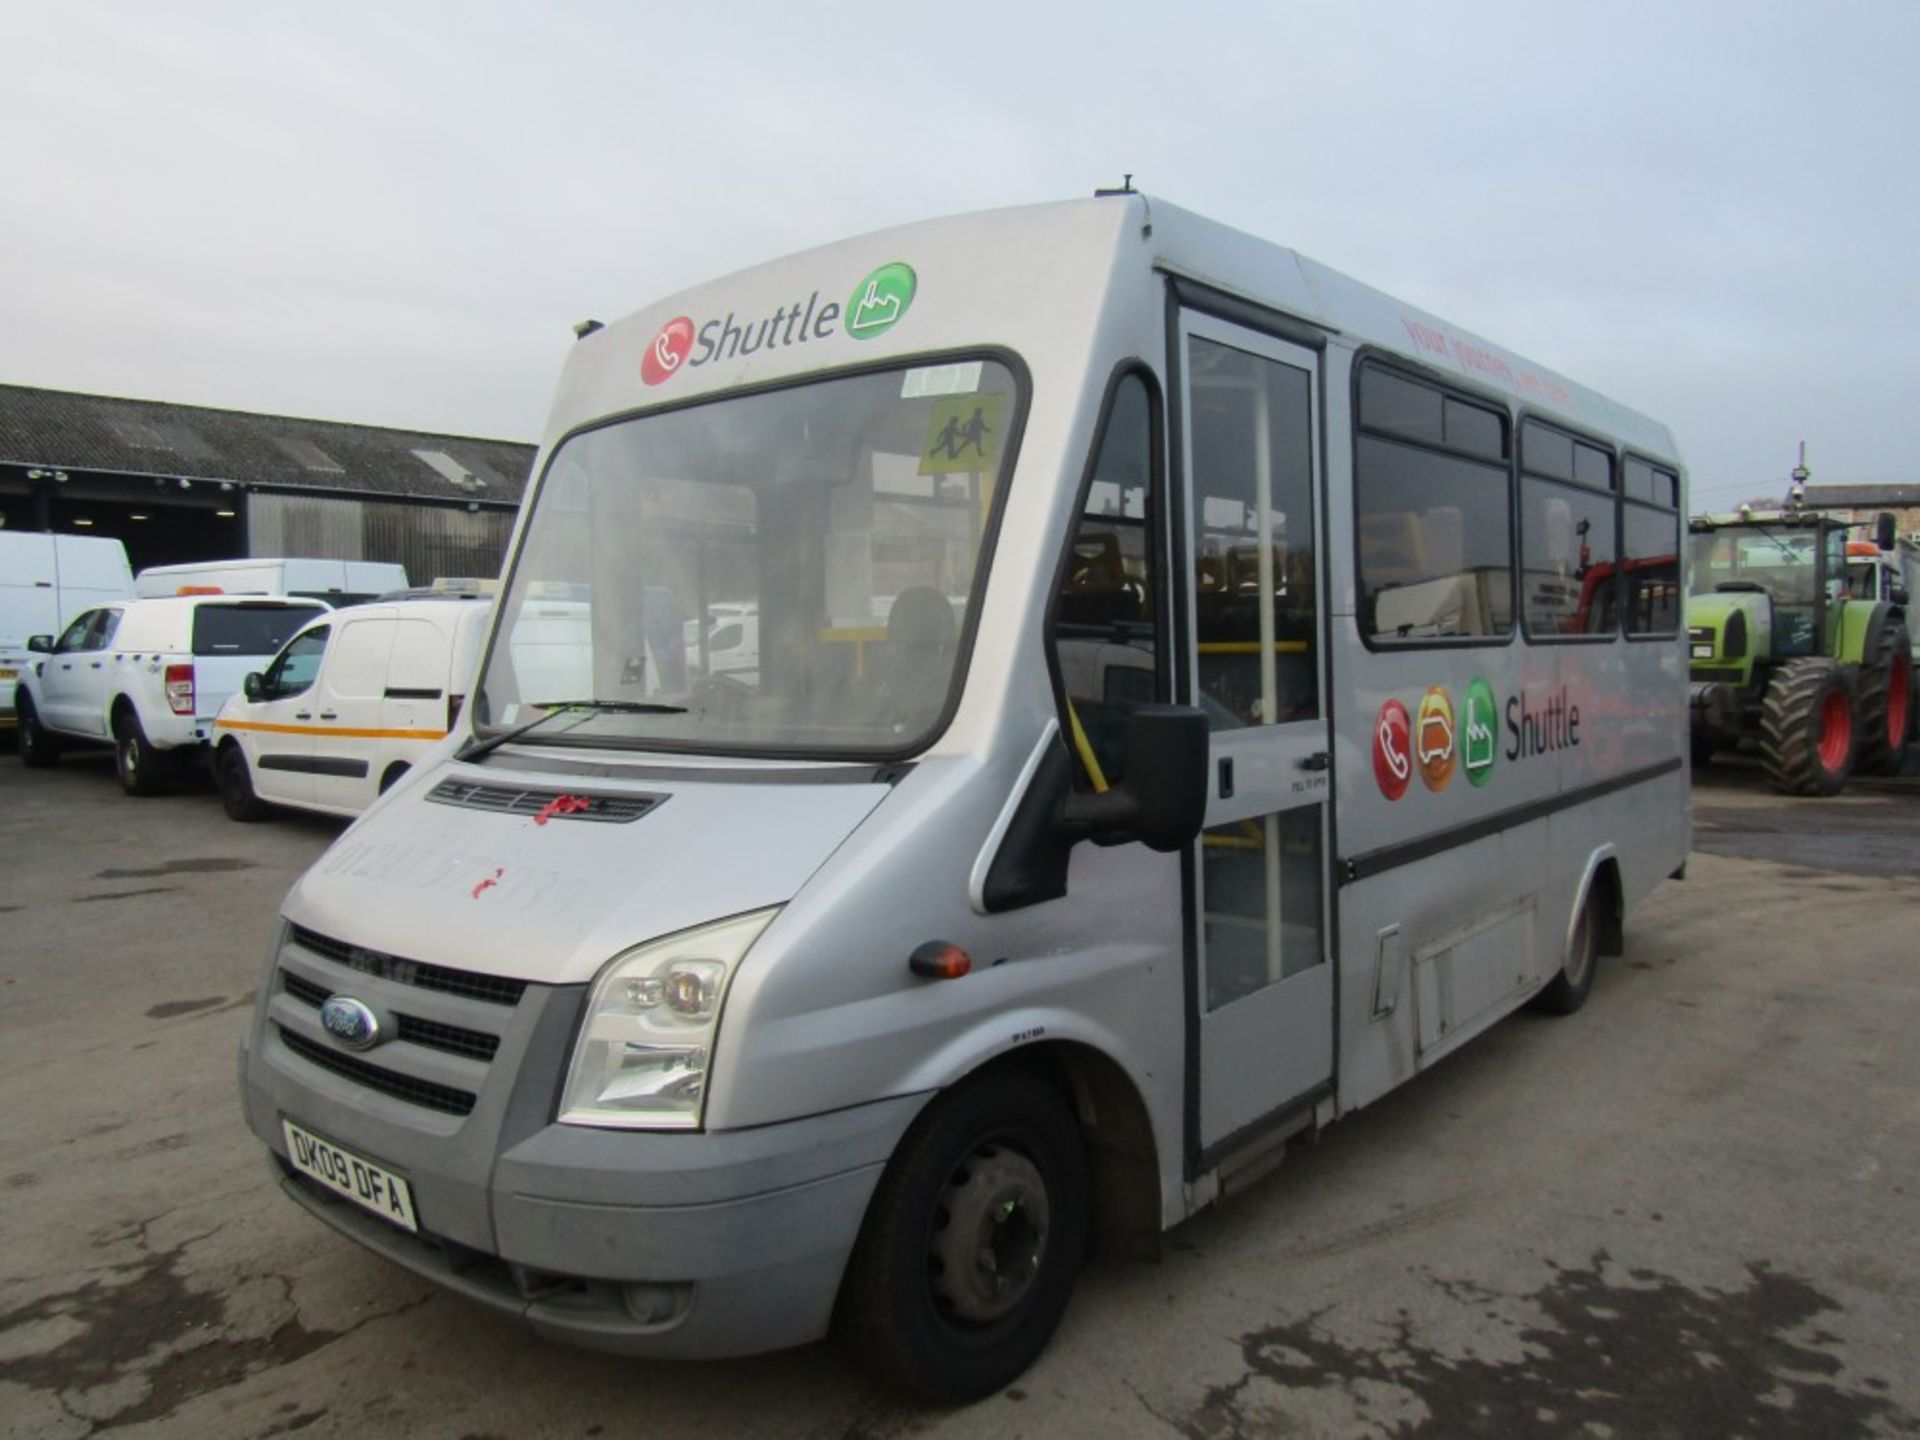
(184, 482)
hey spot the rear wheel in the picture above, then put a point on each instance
(1886, 700)
(38, 747)
(135, 761)
(1807, 738)
(970, 1246)
(1568, 990)
(235, 783)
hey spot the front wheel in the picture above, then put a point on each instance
(1807, 728)
(235, 783)
(38, 747)
(971, 1244)
(135, 760)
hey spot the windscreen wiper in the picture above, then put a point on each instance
(555, 708)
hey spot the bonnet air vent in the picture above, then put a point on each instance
(543, 805)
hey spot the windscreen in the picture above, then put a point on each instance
(1780, 562)
(788, 572)
(247, 629)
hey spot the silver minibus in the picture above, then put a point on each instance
(1194, 693)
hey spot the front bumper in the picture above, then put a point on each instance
(645, 1243)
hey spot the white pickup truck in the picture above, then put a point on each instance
(148, 677)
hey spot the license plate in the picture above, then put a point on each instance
(1703, 652)
(7, 672)
(358, 1180)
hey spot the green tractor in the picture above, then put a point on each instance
(1783, 658)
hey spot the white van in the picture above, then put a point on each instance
(352, 703)
(1148, 829)
(338, 582)
(46, 580)
(148, 677)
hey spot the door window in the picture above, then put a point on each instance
(293, 670)
(1263, 901)
(74, 637)
(1254, 611)
(1105, 638)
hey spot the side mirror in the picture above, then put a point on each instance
(1163, 801)
(40, 644)
(1897, 593)
(254, 686)
(1884, 533)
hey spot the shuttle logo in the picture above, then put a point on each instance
(1434, 743)
(877, 304)
(668, 352)
(1392, 749)
(1479, 744)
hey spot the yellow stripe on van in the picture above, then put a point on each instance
(333, 730)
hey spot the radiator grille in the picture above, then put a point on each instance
(490, 988)
(550, 804)
(435, 1035)
(443, 1098)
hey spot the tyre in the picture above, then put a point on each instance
(392, 778)
(1702, 748)
(135, 761)
(38, 747)
(1886, 701)
(1807, 732)
(971, 1243)
(1568, 990)
(235, 783)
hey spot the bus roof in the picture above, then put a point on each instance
(1035, 279)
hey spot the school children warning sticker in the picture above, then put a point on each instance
(963, 433)
(1392, 749)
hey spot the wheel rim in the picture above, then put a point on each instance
(129, 759)
(1580, 953)
(1836, 725)
(1899, 687)
(990, 1234)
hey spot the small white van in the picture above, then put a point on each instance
(148, 677)
(352, 703)
(45, 580)
(338, 582)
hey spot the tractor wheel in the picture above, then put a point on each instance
(1807, 732)
(1886, 702)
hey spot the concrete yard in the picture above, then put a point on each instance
(1690, 1210)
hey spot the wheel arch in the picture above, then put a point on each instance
(1123, 1154)
(1601, 881)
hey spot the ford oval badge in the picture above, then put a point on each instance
(351, 1022)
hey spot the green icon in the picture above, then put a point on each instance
(1479, 744)
(880, 300)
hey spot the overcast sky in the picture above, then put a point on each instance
(392, 213)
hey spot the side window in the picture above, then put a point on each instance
(101, 635)
(1430, 475)
(74, 637)
(1104, 638)
(293, 670)
(1568, 578)
(1650, 542)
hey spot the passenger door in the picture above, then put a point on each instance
(73, 676)
(1255, 663)
(279, 730)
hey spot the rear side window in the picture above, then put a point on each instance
(247, 629)
(1435, 538)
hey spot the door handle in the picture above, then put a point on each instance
(303, 714)
(1319, 760)
(96, 664)
(328, 715)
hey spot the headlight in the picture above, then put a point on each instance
(641, 1059)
